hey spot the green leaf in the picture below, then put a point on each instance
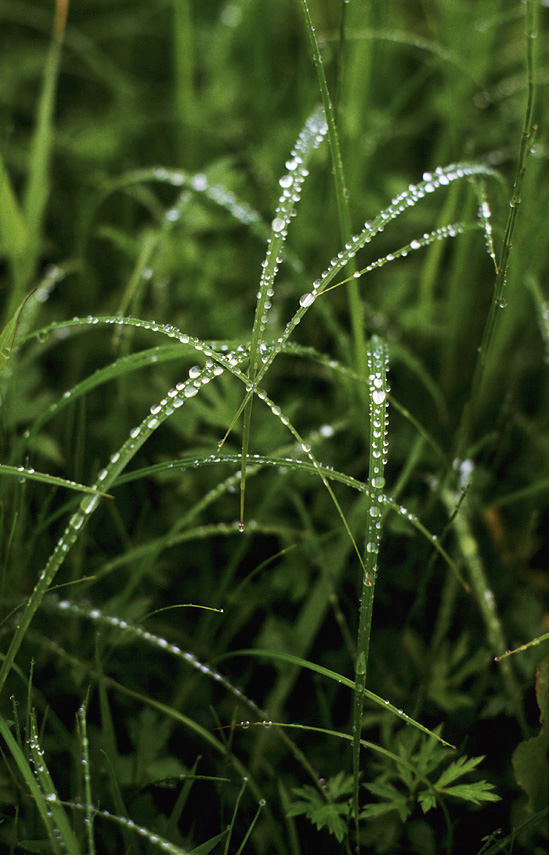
(31, 475)
(333, 818)
(391, 800)
(427, 800)
(340, 785)
(456, 769)
(7, 336)
(13, 229)
(477, 792)
(329, 815)
(530, 758)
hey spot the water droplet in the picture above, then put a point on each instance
(199, 182)
(378, 396)
(277, 225)
(306, 300)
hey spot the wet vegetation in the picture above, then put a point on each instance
(274, 427)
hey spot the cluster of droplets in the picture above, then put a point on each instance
(378, 362)
(199, 183)
(291, 184)
(42, 775)
(124, 822)
(427, 238)
(485, 217)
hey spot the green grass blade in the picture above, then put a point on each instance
(378, 360)
(290, 659)
(23, 474)
(85, 762)
(502, 267)
(43, 806)
(38, 181)
(62, 828)
(309, 139)
(13, 228)
(356, 312)
(7, 337)
(485, 601)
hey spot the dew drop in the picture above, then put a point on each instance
(199, 182)
(306, 300)
(326, 431)
(277, 225)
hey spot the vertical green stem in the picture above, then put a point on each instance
(486, 602)
(378, 389)
(528, 133)
(37, 189)
(185, 99)
(356, 311)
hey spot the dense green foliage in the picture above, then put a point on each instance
(282, 642)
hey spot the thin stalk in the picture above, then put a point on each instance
(377, 365)
(356, 311)
(486, 601)
(498, 302)
(37, 190)
(185, 98)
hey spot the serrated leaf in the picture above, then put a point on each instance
(331, 817)
(392, 798)
(312, 804)
(456, 770)
(427, 800)
(477, 792)
(340, 785)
